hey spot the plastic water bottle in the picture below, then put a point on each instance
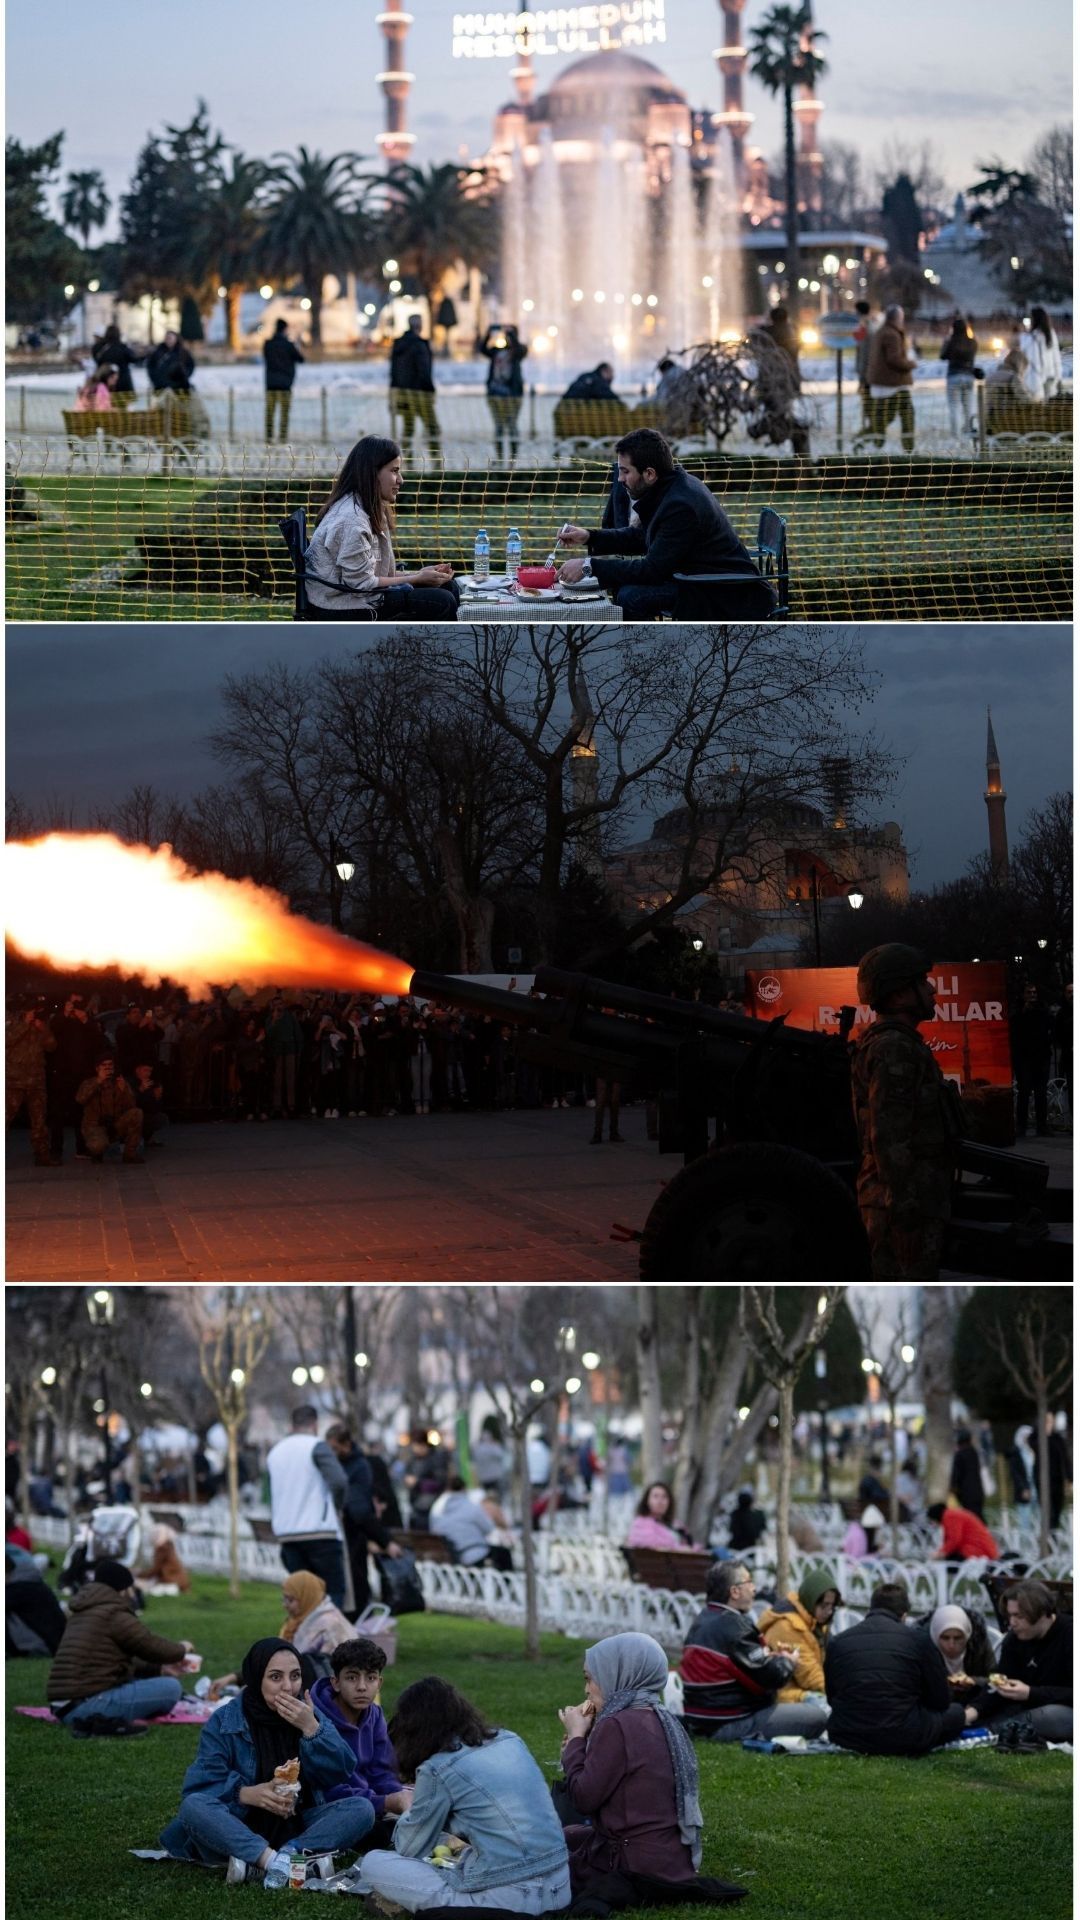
(278, 1872)
(513, 552)
(481, 557)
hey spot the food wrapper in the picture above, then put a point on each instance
(287, 1777)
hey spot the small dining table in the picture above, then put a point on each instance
(497, 603)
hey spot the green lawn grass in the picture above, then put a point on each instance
(843, 1837)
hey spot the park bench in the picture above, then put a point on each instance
(425, 1546)
(671, 1571)
(116, 423)
(999, 1584)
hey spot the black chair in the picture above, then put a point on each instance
(294, 533)
(766, 598)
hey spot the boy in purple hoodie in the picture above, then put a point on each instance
(348, 1696)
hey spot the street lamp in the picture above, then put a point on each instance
(345, 870)
(146, 1389)
(299, 1376)
(907, 1355)
(48, 1376)
(697, 945)
(101, 1307)
(1042, 945)
(238, 1376)
(317, 1375)
(573, 1385)
(590, 1362)
(361, 1360)
(536, 1386)
(855, 898)
(867, 1365)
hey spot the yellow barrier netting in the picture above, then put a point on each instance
(139, 529)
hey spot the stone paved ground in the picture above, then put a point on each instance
(513, 1197)
(517, 1196)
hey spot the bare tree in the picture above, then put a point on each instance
(781, 1358)
(888, 1344)
(940, 1308)
(1040, 1362)
(234, 1329)
(649, 1389)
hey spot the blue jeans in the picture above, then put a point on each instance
(326, 1558)
(139, 1700)
(337, 1827)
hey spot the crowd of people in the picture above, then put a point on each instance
(121, 1075)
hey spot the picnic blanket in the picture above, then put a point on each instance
(188, 1712)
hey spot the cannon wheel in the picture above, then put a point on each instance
(754, 1212)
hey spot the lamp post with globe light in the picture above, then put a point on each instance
(101, 1306)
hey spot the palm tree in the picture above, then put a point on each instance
(84, 204)
(431, 220)
(227, 241)
(783, 57)
(315, 221)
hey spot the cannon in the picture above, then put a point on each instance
(761, 1114)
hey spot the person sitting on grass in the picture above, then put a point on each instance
(1034, 1665)
(111, 1674)
(731, 1679)
(33, 1617)
(479, 1792)
(348, 1696)
(964, 1645)
(964, 1535)
(888, 1687)
(802, 1621)
(312, 1622)
(676, 527)
(351, 569)
(631, 1775)
(233, 1811)
(166, 1573)
(653, 1525)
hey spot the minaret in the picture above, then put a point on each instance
(395, 82)
(522, 74)
(808, 111)
(584, 774)
(731, 60)
(995, 807)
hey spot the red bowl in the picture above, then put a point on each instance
(535, 577)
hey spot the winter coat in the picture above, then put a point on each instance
(964, 1537)
(681, 529)
(791, 1624)
(965, 1480)
(465, 1527)
(117, 353)
(621, 1779)
(889, 359)
(903, 1119)
(888, 1688)
(411, 365)
(104, 1646)
(323, 1629)
(497, 1799)
(1045, 1665)
(27, 1045)
(281, 360)
(306, 1483)
(504, 366)
(358, 1512)
(346, 550)
(375, 1768)
(727, 1670)
(170, 369)
(226, 1760)
(959, 353)
(166, 1568)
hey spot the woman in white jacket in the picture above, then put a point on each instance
(351, 570)
(1043, 350)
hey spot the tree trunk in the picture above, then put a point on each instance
(940, 1307)
(26, 1442)
(528, 1547)
(783, 1485)
(648, 1348)
(723, 1464)
(689, 1451)
(315, 295)
(792, 193)
(475, 915)
(1042, 1443)
(233, 297)
(231, 1432)
(894, 1493)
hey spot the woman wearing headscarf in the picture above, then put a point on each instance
(630, 1770)
(312, 1622)
(232, 1809)
(963, 1643)
(166, 1573)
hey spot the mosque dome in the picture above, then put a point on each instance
(606, 91)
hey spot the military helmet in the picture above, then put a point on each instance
(887, 970)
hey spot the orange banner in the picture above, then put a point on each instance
(969, 1032)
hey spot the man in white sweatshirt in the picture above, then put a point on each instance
(307, 1487)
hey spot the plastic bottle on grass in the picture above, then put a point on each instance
(279, 1873)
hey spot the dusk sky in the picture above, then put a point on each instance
(93, 711)
(975, 81)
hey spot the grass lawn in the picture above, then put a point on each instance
(843, 1837)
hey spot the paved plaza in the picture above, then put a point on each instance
(454, 1197)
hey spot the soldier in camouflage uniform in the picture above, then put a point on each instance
(110, 1113)
(905, 1115)
(28, 1041)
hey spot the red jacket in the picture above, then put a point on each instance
(964, 1537)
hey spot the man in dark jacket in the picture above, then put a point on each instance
(110, 1113)
(1031, 1037)
(280, 361)
(363, 1527)
(412, 385)
(730, 1677)
(1034, 1663)
(680, 528)
(170, 366)
(33, 1617)
(78, 1045)
(108, 1666)
(965, 1480)
(889, 1687)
